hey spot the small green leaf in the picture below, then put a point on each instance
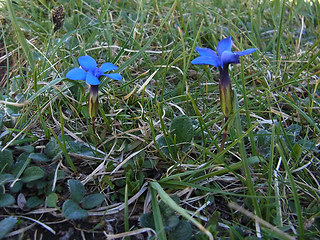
(6, 200)
(6, 159)
(76, 189)
(163, 145)
(92, 201)
(264, 141)
(34, 202)
(5, 178)
(6, 225)
(146, 220)
(183, 231)
(40, 157)
(71, 210)
(2, 116)
(182, 128)
(167, 211)
(293, 131)
(52, 148)
(26, 148)
(16, 187)
(32, 174)
(51, 200)
(296, 151)
(170, 222)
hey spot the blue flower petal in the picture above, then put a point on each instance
(228, 57)
(224, 45)
(92, 80)
(207, 61)
(206, 52)
(246, 52)
(87, 63)
(114, 76)
(77, 74)
(108, 67)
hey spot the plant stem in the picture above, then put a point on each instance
(224, 134)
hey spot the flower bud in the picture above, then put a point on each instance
(93, 101)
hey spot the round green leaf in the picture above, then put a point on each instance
(5, 178)
(51, 200)
(92, 201)
(171, 222)
(16, 187)
(182, 128)
(162, 142)
(32, 174)
(52, 148)
(34, 202)
(40, 157)
(71, 210)
(76, 189)
(147, 220)
(6, 159)
(182, 232)
(6, 200)
(26, 148)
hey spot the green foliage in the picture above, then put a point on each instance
(175, 228)
(32, 174)
(181, 231)
(6, 200)
(39, 157)
(6, 178)
(76, 189)
(179, 137)
(76, 207)
(6, 225)
(34, 202)
(72, 210)
(52, 148)
(92, 201)
(182, 129)
(6, 159)
(51, 200)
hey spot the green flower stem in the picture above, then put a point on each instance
(226, 100)
(93, 104)
(93, 101)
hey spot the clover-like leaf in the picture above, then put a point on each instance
(40, 157)
(72, 210)
(51, 200)
(32, 173)
(171, 222)
(34, 202)
(183, 231)
(92, 201)
(147, 220)
(52, 148)
(6, 159)
(76, 189)
(5, 178)
(182, 128)
(6, 200)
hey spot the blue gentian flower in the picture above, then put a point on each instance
(224, 56)
(222, 60)
(89, 72)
